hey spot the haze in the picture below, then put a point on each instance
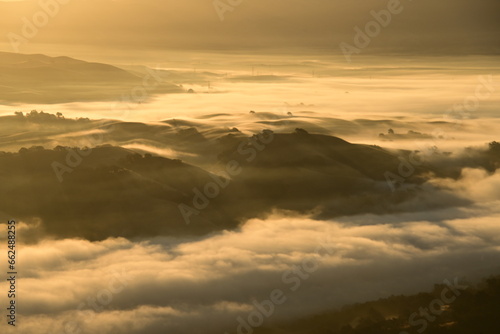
(254, 166)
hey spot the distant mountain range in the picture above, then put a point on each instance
(37, 78)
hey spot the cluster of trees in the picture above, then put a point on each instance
(40, 116)
(494, 147)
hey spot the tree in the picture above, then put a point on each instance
(301, 131)
(494, 147)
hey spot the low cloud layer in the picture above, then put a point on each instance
(188, 285)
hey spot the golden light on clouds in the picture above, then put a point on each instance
(249, 166)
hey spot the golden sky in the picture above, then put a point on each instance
(424, 26)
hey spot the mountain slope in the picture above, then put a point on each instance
(113, 191)
(108, 191)
(41, 79)
(317, 173)
(474, 310)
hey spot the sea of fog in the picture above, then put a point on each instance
(420, 93)
(204, 284)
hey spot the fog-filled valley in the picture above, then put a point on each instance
(267, 167)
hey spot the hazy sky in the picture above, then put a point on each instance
(424, 26)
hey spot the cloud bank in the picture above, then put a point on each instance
(204, 284)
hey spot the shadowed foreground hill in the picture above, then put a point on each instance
(473, 310)
(105, 192)
(112, 191)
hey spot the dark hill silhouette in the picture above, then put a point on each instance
(112, 191)
(305, 172)
(474, 311)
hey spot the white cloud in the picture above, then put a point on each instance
(205, 283)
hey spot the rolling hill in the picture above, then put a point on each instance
(36, 78)
(109, 191)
